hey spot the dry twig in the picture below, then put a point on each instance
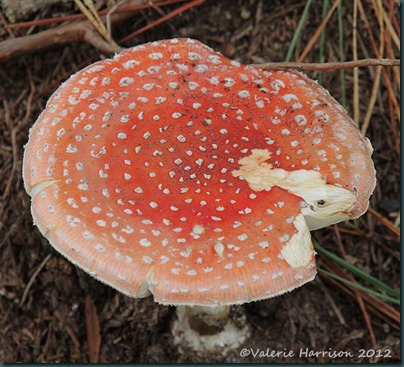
(31, 281)
(373, 304)
(387, 80)
(318, 32)
(385, 221)
(93, 331)
(336, 65)
(375, 88)
(118, 8)
(163, 19)
(61, 35)
(92, 15)
(356, 112)
(84, 31)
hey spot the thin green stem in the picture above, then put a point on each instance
(298, 31)
(362, 288)
(322, 39)
(341, 53)
(353, 269)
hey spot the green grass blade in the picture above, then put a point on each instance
(341, 53)
(362, 288)
(353, 269)
(298, 30)
(322, 39)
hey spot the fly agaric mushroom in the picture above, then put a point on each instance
(175, 171)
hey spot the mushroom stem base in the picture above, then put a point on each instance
(204, 329)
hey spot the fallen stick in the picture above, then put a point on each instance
(79, 31)
(327, 65)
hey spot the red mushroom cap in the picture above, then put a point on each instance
(139, 173)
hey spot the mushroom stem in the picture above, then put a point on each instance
(204, 329)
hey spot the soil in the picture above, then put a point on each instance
(43, 296)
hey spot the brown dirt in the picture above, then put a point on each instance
(43, 316)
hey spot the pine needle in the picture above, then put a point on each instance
(355, 270)
(298, 31)
(341, 53)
